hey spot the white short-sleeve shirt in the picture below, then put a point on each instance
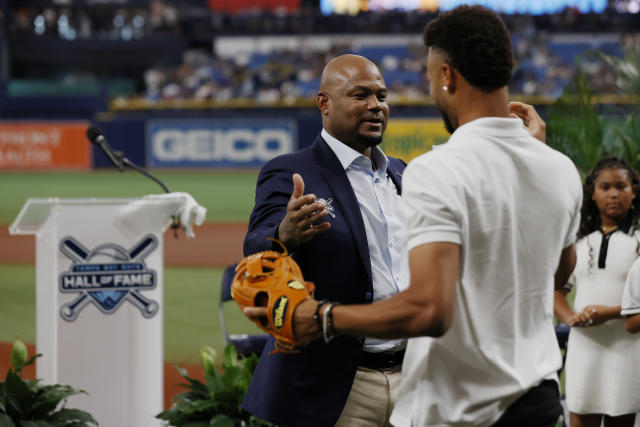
(513, 204)
(631, 293)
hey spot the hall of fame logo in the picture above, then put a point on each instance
(106, 276)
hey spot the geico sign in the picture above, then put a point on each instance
(238, 145)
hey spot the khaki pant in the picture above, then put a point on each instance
(372, 396)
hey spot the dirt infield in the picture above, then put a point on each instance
(215, 245)
(172, 379)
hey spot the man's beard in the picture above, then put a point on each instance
(369, 141)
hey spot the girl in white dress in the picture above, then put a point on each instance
(602, 378)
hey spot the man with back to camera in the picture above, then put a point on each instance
(492, 217)
(348, 238)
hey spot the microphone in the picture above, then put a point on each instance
(95, 136)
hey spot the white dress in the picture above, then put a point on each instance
(602, 374)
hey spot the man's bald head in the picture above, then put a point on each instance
(340, 70)
(353, 102)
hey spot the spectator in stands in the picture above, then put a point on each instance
(602, 379)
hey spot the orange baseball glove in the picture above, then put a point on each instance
(272, 279)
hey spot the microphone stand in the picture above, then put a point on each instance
(125, 161)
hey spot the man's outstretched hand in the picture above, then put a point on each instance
(303, 211)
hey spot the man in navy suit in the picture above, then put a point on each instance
(336, 207)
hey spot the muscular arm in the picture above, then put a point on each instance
(565, 267)
(424, 309)
(561, 307)
(632, 324)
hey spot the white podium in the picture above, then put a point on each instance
(99, 299)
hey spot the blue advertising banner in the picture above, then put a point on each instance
(198, 143)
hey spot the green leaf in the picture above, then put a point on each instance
(199, 406)
(5, 421)
(68, 415)
(164, 415)
(183, 372)
(32, 385)
(18, 355)
(50, 397)
(32, 359)
(250, 363)
(221, 420)
(208, 357)
(214, 382)
(194, 384)
(229, 356)
(18, 396)
(3, 397)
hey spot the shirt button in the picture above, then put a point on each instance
(368, 296)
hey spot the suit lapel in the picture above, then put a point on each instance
(337, 179)
(396, 176)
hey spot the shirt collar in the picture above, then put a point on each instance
(491, 126)
(624, 226)
(348, 156)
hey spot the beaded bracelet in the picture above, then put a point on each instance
(316, 315)
(328, 333)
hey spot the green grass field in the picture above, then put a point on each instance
(228, 196)
(190, 303)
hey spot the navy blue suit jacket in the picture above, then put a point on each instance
(310, 388)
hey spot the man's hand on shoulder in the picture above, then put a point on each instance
(299, 223)
(532, 120)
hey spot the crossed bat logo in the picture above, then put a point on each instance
(107, 275)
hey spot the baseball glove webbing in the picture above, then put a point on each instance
(272, 279)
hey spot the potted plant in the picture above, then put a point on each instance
(217, 401)
(28, 403)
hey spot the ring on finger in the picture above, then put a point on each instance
(590, 322)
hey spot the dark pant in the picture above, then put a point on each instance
(539, 407)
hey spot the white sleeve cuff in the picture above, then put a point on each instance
(434, 236)
(630, 311)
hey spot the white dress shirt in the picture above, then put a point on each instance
(381, 208)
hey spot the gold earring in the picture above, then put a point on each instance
(326, 112)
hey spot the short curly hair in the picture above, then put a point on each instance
(476, 43)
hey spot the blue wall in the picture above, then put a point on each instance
(127, 132)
